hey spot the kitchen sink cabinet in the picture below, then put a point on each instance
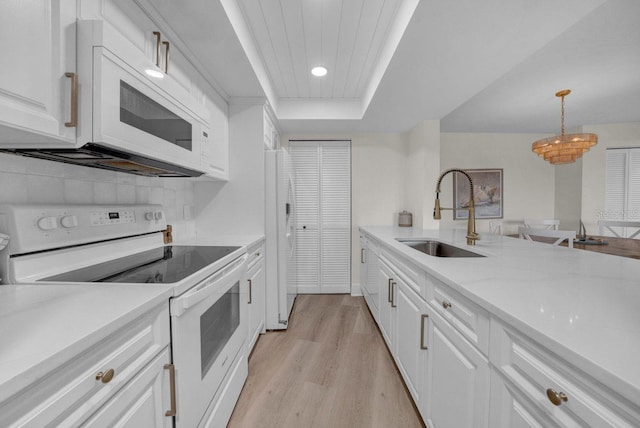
(485, 364)
(38, 45)
(256, 282)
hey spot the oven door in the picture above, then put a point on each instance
(208, 329)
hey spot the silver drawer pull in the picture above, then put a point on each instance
(557, 398)
(105, 377)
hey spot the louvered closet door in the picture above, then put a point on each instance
(323, 198)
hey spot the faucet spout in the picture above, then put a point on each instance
(472, 236)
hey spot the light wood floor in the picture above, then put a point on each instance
(331, 368)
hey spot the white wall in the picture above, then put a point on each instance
(594, 167)
(25, 180)
(421, 174)
(529, 188)
(237, 206)
(378, 163)
(568, 195)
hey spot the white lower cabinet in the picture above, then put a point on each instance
(369, 274)
(257, 283)
(531, 377)
(143, 402)
(411, 329)
(457, 379)
(385, 309)
(119, 378)
(511, 408)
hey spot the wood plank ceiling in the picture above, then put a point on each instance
(295, 36)
(354, 40)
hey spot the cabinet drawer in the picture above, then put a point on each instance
(542, 376)
(255, 256)
(74, 391)
(467, 317)
(410, 274)
(143, 402)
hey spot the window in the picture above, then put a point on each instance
(622, 191)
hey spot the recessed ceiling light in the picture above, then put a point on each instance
(319, 71)
(154, 73)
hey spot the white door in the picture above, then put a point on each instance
(323, 224)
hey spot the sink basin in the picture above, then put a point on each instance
(437, 248)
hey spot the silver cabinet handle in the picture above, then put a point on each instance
(361, 255)
(393, 300)
(250, 291)
(74, 100)
(158, 42)
(389, 291)
(172, 387)
(166, 56)
(422, 345)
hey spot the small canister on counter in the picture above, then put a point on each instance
(405, 219)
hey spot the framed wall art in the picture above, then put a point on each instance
(487, 189)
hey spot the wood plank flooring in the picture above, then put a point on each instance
(331, 368)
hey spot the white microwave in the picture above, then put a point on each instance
(129, 120)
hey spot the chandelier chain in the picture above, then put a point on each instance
(562, 117)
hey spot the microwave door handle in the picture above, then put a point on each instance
(207, 287)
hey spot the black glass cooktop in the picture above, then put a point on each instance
(161, 265)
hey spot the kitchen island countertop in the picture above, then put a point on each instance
(583, 306)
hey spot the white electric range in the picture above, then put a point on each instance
(124, 244)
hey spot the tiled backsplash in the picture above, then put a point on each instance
(25, 180)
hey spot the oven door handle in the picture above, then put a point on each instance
(208, 286)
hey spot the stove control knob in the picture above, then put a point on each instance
(148, 216)
(158, 215)
(69, 221)
(47, 223)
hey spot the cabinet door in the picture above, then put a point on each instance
(363, 264)
(38, 45)
(385, 281)
(457, 378)
(257, 283)
(410, 353)
(142, 402)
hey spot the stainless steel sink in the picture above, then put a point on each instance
(437, 248)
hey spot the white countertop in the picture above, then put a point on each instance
(583, 306)
(44, 325)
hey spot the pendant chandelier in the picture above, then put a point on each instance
(564, 148)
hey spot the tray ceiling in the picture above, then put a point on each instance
(483, 66)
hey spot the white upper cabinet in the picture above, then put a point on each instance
(37, 41)
(150, 38)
